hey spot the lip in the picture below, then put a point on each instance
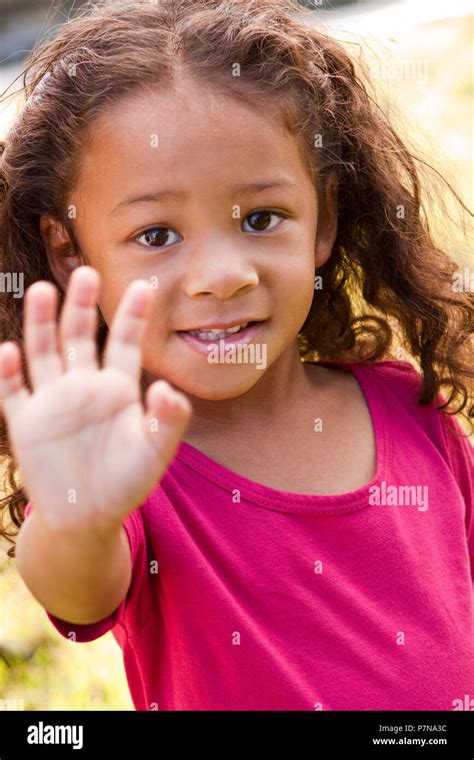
(241, 338)
(221, 325)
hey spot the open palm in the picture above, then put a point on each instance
(88, 451)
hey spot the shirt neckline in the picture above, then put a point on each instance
(287, 501)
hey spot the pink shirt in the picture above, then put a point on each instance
(246, 597)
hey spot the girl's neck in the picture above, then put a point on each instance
(282, 386)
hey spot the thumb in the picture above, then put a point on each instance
(168, 413)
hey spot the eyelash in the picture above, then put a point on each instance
(164, 227)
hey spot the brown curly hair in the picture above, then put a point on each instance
(386, 278)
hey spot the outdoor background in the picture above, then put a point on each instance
(419, 57)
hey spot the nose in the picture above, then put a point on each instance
(219, 271)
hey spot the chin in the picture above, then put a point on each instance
(216, 387)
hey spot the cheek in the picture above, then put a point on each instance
(110, 295)
(108, 304)
(295, 284)
(158, 325)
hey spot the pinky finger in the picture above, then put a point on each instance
(13, 392)
(167, 415)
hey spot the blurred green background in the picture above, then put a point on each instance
(424, 75)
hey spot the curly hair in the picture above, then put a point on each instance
(386, 278)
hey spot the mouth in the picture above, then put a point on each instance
(202, 339)
(218, 332)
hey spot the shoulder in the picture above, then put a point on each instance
(402, 380)
(397, 380)
(399, 384)
(400, 377)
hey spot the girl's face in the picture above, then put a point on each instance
(210, 201)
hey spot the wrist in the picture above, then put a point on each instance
(100, 531)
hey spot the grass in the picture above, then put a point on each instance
(46, 671)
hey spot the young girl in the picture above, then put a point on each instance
(235, 476)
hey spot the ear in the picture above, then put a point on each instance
(60, 251)
(327, 222)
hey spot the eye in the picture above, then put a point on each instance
(261, 220)
(158, 240)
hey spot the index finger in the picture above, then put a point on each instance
(123, 348)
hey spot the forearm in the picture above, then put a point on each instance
(80, 578)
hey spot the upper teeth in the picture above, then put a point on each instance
(218, 333)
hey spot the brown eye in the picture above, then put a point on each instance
(260, 220)
(156, 237)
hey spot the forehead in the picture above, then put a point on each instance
(188, 134)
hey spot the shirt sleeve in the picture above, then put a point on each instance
(90, 631)
(461, 457)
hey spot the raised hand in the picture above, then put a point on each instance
(88, 451)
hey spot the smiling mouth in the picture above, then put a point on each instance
(219, 333)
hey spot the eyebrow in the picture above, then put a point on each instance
(251, 188)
